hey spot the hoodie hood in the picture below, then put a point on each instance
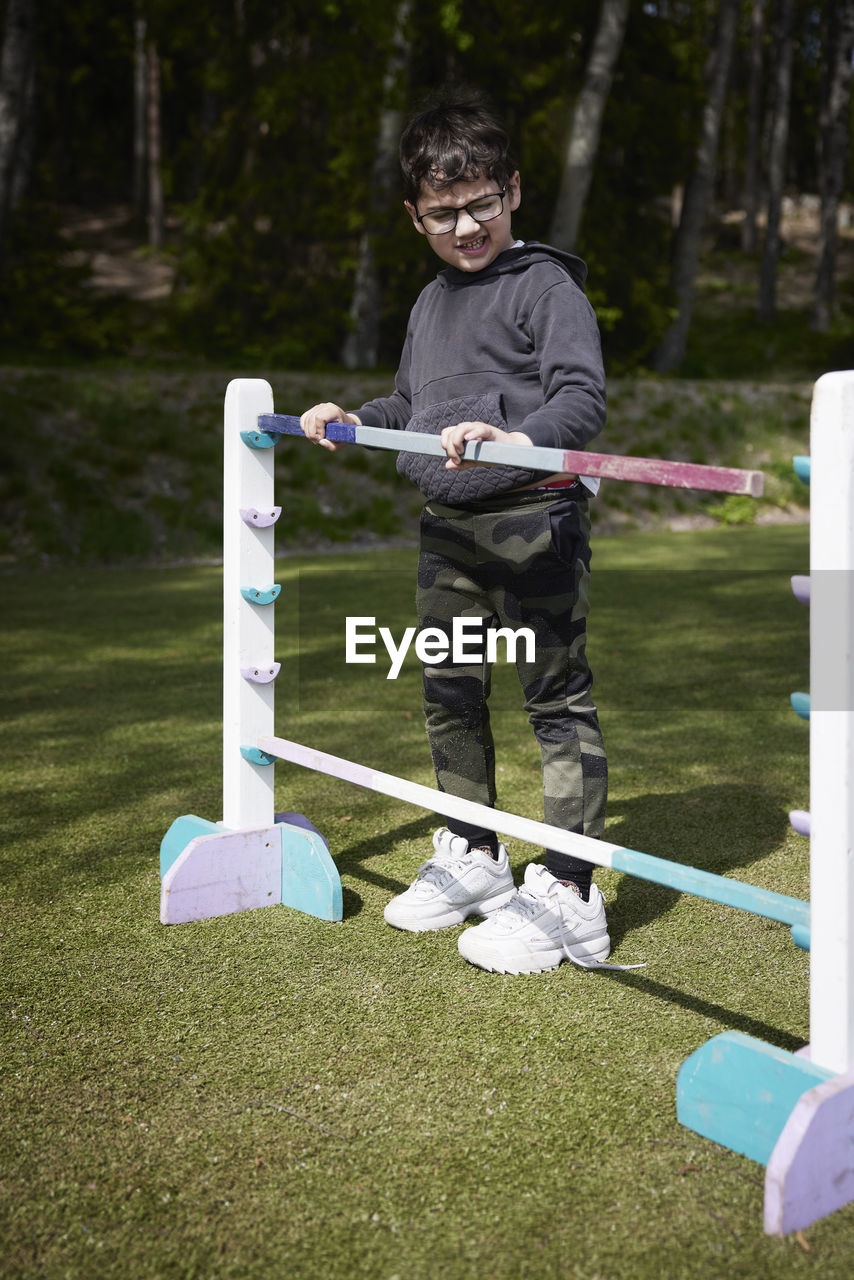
(517, 259)
(520, 329)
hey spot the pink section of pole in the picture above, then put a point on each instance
(571, 463)
(675, 475)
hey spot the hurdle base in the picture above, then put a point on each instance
(779, 1109)
(208, 871)
(810, 1173)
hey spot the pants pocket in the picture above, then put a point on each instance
(570, 530)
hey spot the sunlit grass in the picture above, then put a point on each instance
(267, 1094)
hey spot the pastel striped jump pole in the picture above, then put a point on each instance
(792, 1112)
(673, 875)
(568, 462)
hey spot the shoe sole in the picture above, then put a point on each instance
(411, 923)
(491, 959)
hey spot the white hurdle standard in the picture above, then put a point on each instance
(792, 1112)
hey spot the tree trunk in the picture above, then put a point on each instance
(833, 150)
(155, 180)
(586, 124)
(361, 346)
(16, 70)
(26, 142)
(749, 239)
(777, 161)
(698, 194)
(140, 118)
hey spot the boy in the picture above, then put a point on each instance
(503, 345)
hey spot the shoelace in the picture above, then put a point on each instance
(522, 903)
(436, 870)
(588, 963)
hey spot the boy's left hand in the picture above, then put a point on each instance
(455, 439)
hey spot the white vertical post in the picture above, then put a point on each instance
(248, 629)
(832, 722)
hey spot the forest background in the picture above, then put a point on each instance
(214, 191)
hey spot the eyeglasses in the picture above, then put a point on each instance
(484, 209)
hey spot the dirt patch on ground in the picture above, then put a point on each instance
(111, 242)
(730, 273)
(107, 241)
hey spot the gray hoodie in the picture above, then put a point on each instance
(521, 330)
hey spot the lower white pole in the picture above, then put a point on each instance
(675, 875)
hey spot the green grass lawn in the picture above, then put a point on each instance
(268, 1095)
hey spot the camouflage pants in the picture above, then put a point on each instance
(518, 561)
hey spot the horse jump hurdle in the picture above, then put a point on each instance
(792, 1112)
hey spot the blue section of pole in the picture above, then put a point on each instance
(703, 884)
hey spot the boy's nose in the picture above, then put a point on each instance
(466, 224)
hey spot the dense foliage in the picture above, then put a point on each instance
(268, 123)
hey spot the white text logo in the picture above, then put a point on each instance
(432, 645)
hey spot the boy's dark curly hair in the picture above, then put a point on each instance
(454, 139)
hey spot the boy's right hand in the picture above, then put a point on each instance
(314, 422)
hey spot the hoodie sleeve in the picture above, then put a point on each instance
(392, 411)
(562, 328)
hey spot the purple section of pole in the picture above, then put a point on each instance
(284, 425)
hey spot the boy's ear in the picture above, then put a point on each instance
(514, 191)
(411, 210)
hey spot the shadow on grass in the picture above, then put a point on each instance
(719, 829)
(713, 828)
(729, 1019)
(351, 861)
(637, 902)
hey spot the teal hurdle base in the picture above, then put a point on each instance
(740, 1092)
(179, 835)
(310, 882)
(310, 879)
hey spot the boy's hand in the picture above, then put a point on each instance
(455, 439)
(314, 422)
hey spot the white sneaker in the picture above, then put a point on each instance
(455, 883)
(544, 923)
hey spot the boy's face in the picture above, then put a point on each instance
(470, 245)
